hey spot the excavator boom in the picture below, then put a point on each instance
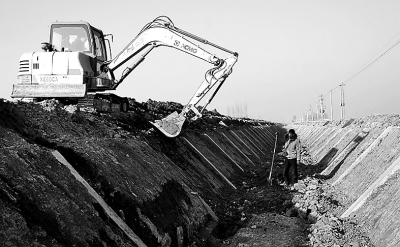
(162, 32)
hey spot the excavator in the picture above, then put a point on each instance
(76, 66)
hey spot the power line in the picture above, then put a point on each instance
(373, 61)
(382, 48)
(364, 68)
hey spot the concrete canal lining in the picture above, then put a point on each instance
(361, 160)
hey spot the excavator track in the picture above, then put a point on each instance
(104, 102)
(87, 101)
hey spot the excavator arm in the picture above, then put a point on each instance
(162, 32)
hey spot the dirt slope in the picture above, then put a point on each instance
(141, 174)
(162, 188)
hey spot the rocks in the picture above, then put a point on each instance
(300, 187)
(49, 105)
(313, 200)
(312, 217)
(306, 158)
(312, 187)
(287, 204)
(292, 212)
(70, 108)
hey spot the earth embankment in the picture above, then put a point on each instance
(74, 177)
(70, 177)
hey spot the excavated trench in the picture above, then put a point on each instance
(73, 178)
(89, 179)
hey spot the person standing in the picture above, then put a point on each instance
(291, 151)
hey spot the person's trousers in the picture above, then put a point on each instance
(290, 163)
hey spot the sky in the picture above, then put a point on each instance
(290, 51)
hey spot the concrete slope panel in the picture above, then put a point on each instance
(381, 213)
(376, 161)
(352, 156)
(231, 149)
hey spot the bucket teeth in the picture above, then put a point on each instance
(171, 125)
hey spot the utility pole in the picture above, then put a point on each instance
(341, 101)
(331, 106)
(344, 108)
(321, 106)
(307, 119)
(312, 114)
(342, 104)
(308, 114)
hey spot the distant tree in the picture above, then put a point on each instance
(238, 110)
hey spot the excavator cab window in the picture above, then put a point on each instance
(70, 38)
(100, 51)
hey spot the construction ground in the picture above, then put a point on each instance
(74, 177)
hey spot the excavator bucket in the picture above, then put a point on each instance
(48, 90)
(171, 125)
